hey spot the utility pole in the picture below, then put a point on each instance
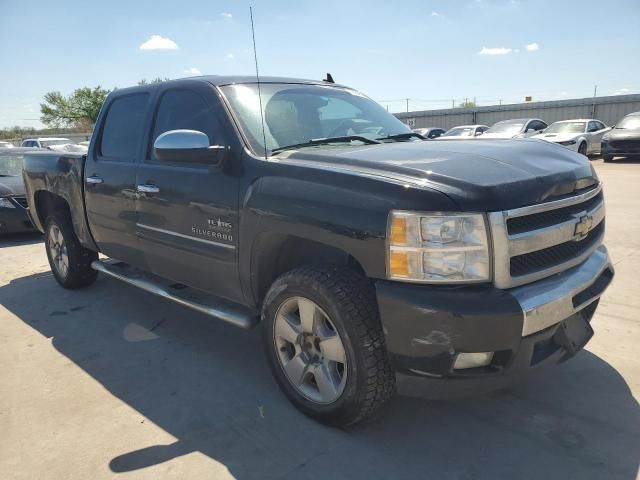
(595, 90)
(500, 102)
(453, 103)
(407, 105)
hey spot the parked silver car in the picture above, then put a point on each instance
(516, 128)
(430, 132)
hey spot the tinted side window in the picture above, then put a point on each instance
(600, 125)
(537, 125)
(123, 127)
(185, 109)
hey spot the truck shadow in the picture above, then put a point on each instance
(206, 384)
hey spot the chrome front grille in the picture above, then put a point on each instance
(534, 242)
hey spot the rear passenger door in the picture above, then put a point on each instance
(110, 176)
(595, 131)
(188, 223)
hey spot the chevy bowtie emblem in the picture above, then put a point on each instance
(583, 227)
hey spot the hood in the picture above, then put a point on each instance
(558, 137)
(498, 135)
(478, 176)
(10, 186)
(623, 134)
(454, 138)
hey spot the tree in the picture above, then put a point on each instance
(79, 110)
(144, 81)
(468, 104)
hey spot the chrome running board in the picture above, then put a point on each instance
(208, 304)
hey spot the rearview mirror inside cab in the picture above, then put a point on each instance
(188, 146)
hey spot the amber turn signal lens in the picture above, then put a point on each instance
(399, 264)
(399, 231)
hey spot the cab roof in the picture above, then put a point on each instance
(221, 80)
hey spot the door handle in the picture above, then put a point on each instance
(94, 180)
(147, 189)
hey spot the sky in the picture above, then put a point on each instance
(436, 53)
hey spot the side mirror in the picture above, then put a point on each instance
(188, 146)
(477, 134)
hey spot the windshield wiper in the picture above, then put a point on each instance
(402, 136)
(325, 141)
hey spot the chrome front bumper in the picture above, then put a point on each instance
(554, 299)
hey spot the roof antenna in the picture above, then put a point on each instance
(255, 56)
(329, 79)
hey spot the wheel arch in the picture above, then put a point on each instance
(47, 203)
(274, 254)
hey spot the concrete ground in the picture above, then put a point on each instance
(112, 382)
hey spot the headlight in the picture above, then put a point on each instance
(437, 248)
(568, 142)
(6, 203)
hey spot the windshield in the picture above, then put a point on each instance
(10, 165)
(506, 127)
(631, 122)
(296, 113)
(566, 127)
(59, 141)
(459, 132)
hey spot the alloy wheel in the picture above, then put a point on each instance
(310, 350)
(58, 251)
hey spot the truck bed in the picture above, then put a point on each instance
(55, 176)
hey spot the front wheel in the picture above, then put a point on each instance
(325, 345)
(583, 149)
(70, 262)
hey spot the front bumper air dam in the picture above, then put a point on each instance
(543, 322)
(15, 220)
(620, 150)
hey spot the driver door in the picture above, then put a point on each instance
(188, 213)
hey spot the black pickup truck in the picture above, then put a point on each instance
(364, 251)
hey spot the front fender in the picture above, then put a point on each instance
(340, 210)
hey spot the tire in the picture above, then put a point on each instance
(582, 149)
(70, 262)
(357, 381)
(607, 158)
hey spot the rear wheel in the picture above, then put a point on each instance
(325, 345)
(70, 262)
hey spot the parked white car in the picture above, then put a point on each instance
(581, 135)
(516, 128)
(463, 132)
(45, 142)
